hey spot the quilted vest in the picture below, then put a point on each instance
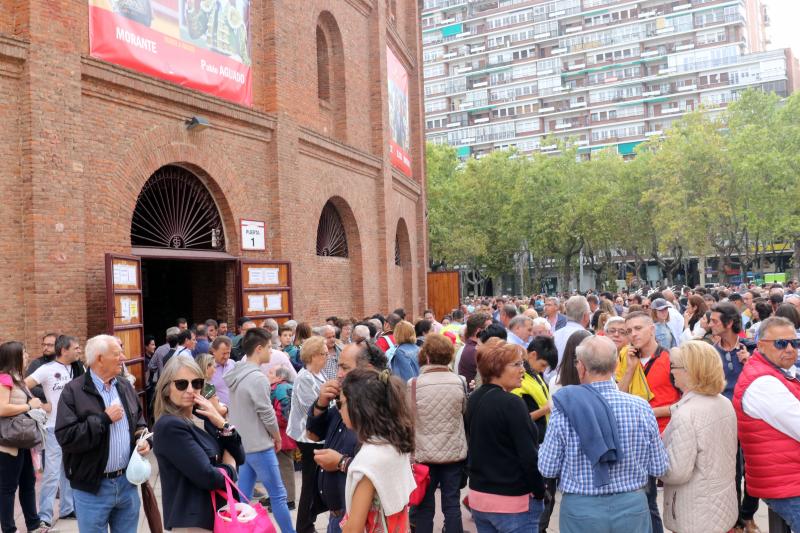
(772, 457)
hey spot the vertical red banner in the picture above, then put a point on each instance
(199, 44)
(399, 144)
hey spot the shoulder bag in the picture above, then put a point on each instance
(20, 431)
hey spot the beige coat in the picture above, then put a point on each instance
(699, 490)
(441, 401)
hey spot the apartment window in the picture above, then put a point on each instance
(524, 71)
(524, 126)
(436, 123)
(434, 70)
(523, 53)
(434, 88)
(715, 36)
(434, 106)
(432, 54)
(498, 78)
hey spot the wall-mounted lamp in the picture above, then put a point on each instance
(197, 124)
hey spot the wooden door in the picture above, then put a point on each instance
(264, 290)
(124, 313)
(444, 292)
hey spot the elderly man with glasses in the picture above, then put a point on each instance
(767, 403)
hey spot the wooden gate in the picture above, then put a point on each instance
(264, 290)
(124, 313)
(444, 292)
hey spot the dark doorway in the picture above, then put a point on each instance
(194, 290)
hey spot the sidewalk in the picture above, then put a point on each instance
(71, 526)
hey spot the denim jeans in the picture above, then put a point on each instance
(788, 509)
(333, 523)
(115, 505)
(527, 522)
(263, 466)
(652, 503)
(16, 472)
(609, 513)
(447, 478)
(54, 480)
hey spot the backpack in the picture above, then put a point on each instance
(283, 407)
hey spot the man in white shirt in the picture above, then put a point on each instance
(767, 403)
(186, 343)
(53, 377)
(578, 313)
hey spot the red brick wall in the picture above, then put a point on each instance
(81, 137)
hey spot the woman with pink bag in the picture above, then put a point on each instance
(191, 460)
(379, 480)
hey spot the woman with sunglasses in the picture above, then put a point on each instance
(700, 439)
(190, 458)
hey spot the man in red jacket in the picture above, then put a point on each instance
(767, 403)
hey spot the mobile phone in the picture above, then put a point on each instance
(209, 390)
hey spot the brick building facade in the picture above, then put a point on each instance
(81, 137)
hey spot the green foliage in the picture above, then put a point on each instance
(721, 183)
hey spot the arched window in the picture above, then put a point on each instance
(331, 77)
(175, 210)
(331, 236)
(323, 66)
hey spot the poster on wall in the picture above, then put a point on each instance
(399, 144)
(199, 44)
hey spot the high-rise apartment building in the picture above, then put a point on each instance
(503, 73)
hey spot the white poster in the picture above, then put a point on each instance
(263, 276)
(255, 302)
(124, 274)
(125, 305)
(274, 302)
(253, 235)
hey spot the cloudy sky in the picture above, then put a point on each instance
(783, 30)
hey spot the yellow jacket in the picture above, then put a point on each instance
(536, 388)
(639, 385)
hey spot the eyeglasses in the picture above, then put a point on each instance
(518, 364)
(183, 384)
(617, 331)
(781, 344)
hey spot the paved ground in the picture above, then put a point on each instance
(71, 526)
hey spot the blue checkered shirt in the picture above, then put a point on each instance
(643, 453)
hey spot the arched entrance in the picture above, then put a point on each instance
(178, 232)
(402, 264)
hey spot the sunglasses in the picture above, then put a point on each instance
(781, 344)
(183, 384)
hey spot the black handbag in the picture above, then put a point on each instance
(19, 431)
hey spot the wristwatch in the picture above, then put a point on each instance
(318, 406)
(343, 462)
(227, 430)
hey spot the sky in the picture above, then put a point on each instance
(783, 31)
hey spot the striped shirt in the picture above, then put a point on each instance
(643, 453)
(119, 449)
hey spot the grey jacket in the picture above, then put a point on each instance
(250, 407)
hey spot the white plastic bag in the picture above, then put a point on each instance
(139, 468)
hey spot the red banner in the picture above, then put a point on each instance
(198, 44)
(398, 114)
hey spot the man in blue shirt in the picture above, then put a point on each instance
(585, 505)
(726, 323)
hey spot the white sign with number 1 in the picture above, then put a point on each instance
(253, 237)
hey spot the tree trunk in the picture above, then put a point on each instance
(796, 259)
(701, 269)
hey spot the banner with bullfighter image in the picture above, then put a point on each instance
(198, 44)
(399, 144)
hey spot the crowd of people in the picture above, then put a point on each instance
(605, 398)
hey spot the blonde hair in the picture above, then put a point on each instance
(311, 347)
(703, 367)
(404, 333)
(162, 404)
(204, 360)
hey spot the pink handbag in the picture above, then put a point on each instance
(228, 519)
